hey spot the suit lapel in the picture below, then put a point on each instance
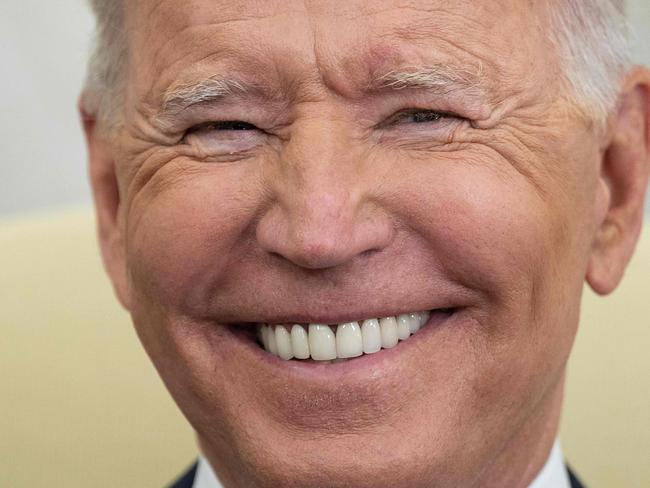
(575, 482)
(186, 480)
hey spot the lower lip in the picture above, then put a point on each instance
(362, 365)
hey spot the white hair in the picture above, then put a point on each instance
(590, 36)
(103, 92)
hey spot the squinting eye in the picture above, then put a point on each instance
(416, 124)
(419, 117)
(226, 126)
(222, 138)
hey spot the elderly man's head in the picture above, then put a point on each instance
(332, 169)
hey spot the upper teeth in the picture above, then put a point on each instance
(348, 340)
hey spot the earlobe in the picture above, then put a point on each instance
(623, 182)
(106, 196)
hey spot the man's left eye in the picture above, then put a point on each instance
(431, 126)
(419, 117)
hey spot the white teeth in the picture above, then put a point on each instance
(349, 343)
(371, 336)
(270, 337)
(283, 342)
(424, 318)
(299, 342)
(388, 326)
(320, 343)
(403, 327)
(414, 325)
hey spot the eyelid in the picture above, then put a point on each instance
(442, 114)
(203, 130)
(395, 118)
(222, 138)
(214, 124)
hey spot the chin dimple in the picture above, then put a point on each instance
(322, 342)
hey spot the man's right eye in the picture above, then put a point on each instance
(225, 126)
(220, 138)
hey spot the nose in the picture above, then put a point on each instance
(323, 213)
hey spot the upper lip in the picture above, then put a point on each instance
(338, 307)
(336, 318)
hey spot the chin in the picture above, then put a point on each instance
(434, 406)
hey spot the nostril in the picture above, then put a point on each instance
(316, 255)
(324, 229)
(369, 253)
(320, 254)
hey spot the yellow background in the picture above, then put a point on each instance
(81, 406)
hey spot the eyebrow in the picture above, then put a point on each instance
(439, 78)
(183, 96)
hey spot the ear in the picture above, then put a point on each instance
(623, 183)
(108, 208)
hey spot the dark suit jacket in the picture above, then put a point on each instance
(187, 479)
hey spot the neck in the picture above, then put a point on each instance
(525, 453)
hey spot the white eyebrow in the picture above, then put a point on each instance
(440, 78)
(180, 97)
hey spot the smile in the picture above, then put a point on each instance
(323, 342)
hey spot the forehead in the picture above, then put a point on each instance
(341, 44)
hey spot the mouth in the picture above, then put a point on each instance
(333, 343)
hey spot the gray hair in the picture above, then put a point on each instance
(590, 36)
(103, 93)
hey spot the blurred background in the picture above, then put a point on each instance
(80, 405)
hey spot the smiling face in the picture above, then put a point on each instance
(306, 162)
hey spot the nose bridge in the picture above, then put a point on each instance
(325, 209)
(321, 215)
(321, 145)
(320, 169)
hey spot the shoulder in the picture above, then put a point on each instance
(186, 480)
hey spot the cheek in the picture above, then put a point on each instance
(184, 232)
(489, 229)
(492, 230)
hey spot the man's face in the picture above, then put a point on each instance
(391, 157)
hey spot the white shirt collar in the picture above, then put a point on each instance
(552, 475)
(205, 477)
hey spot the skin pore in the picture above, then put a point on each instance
(266, 171)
